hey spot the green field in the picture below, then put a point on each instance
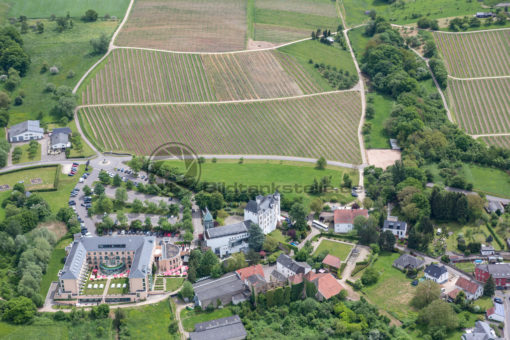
(60, 198)
(116, 291)
(24, 156)
(190, 317)
(46, 175)
(150, 322)
(172, 284)
(56, 263)
(393, 290)
(468, 267)
(277, 235)
(471, 233)
(377, 139)
(69, 51)
(340, 250)
(75, 8)
(404, 12)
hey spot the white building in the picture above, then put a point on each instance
(397, 228)
(487, 250)
(344, 219)
(59, 139)
(472, 289)
(228, 239)
(286, 266)
(436, 273)
(496, 313)
(264, 211)
(25, 131)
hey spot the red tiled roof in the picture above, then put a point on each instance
(328, 286)
(467, 285)
(491, 311)
(453, 294)
(245, 273)
(347, 216)
(296, 279)
(332, 261)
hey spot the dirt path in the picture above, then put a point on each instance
(479, 78)
(180, 307)
(491, 135)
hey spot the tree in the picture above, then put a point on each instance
(4, 118)
(347, 181)
(99, 45)
(117, 181)
(316, 205)
(438, 314)
(136, 164)
(270, 244)
(207, 262)
(256, 239)
(39, 27)
(87, 191)
(298, 214)
(19, 310)
(137, 206)
(187, 237)
(103, 205)
(370, 276)
(387, 241)
(426, 292)
(5, 100)
(321, 163)
(16, 154)
(121, 195)
(99, 189)
(90, 16)
(187, 290)
(366, 230)
(489, 287)
(104, 177)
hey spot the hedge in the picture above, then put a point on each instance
(496, 237)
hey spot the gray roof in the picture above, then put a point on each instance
(141, 245)
(497, 270)
(59, 138)
(227, 328)
(395, 225)
(407, 260)
(254, 279)
(65, 130)
(262, 202)
(231, 229)
(296, 267)
(26, 126)
(278, 276)
(482, 331)
(213, 289)
(435, 270)
(494, 206)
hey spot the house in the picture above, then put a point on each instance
(228, 239)
(494, 207)
(288, 267)
(482, 331)
(327, 286)
(452, 295)
(227, 289)
(264, 211)
(472, 289)
(253, 277)
(207, 220)
(25, 131)
(344, 219)
(229, 328)
(487, 250)
(406, 261)
(496, 313)
(332, 263)
(500, 273)
(436, 273)
(59, 139)
(397, 228)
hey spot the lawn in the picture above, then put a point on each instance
(69, 51)
(86, 151)
(75, 8)
(393, 291)
(172, 284)
(117, 291)
(150, 321)
(94, 291)
(56, 263)
(358, 41)
(377, 139)
(191, 317)
(277, 235)
(471, 233)
(340, 250)
(42, 178)
(468, 267)
(46, 329)
(24, 156)
(485, 302)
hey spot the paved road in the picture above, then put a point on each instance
(504, 201)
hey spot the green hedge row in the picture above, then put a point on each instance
(495, 236)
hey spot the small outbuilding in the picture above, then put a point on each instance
(406, 261)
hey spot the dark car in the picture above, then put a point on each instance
(72, 202)
(415, 283)
(498, 300)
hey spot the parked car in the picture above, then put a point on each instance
(498, 300)
(72, 202)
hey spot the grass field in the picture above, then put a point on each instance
(69, 51)
(468, 267)
(471, 233)
(75, 8)
(393, 291)
(377, 139)
(275, 127)
(189, 26)
(172, 284)
(404, 12)
(56, 263)
(277, 235)
(480, 106)
(340, 250)
(481, 54)
(24, 156)
(177, 77)
(150, 322)
(60, 198)
(31, 178)
(287, 20)
(191, 317)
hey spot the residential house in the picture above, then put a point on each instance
(229, 328)
(496, 313)
(60, 139)
(227, 289)
(344, 219)
(253, 277)
(264, 211)
(500, 273)
(332, 263)
(25, 131)
(482, 331)
(436, 273)
(406, 261)
(397, 228)
(487, 250)
(327, 285)
(472, 289)
(287, 267)
(228, 239)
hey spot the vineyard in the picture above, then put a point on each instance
(279, 21)
(189, 26)
(480, 106)
(322, 125)
(480, 54)
(136, 76)
(501, 141)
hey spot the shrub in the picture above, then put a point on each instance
(50, 87)
(18, 101)
(54, 70)
(70, 74)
